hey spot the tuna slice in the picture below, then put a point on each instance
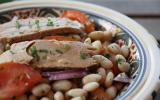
(36, 28)
(50, 54)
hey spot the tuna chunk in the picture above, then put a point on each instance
(51, 54)
(36, 28)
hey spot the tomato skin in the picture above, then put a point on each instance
(80, 17)
(16, 79)
(59, 38)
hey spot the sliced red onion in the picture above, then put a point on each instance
(123, 78)
(67, 74)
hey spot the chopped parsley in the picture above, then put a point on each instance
(50, 22)
(34, 52)
(11, 52)
(37, 24)
(107, 56)
(83, 56)
(59, 51)
(18, 25)
(120, 61)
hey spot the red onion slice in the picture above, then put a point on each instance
(123, 78)
(67, 74)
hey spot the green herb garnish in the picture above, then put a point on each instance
(50, 22)
(59, 51)
(37, 24)
(120, 61)
(12, 52)
(107, 56)
(67, 47)
(18, 25)
(34, 52)
(83, 56)
(43, 51)
(21, 32)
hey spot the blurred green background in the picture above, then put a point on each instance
(3, 1)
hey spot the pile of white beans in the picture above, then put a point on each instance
(104, 76)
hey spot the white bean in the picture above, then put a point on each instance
(107, 35)
(79, 98)
(91, 86)
(120, 57)
(123, 66)
(58, 96)
(44, 98)
(105, 62)
(91, 78)
(114, 48)
(109, 79)
(32, 97)
(112, 91)
(97, 44)
(101, 71)
(125, 50)
(88, 41)
(96, 35)
(62, 85)
(41, 89)
(77, 92)
(101, 35)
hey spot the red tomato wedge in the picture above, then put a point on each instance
(59, 38)
(16, 79)
(80, 17)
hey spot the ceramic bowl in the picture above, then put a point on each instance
(144, 49)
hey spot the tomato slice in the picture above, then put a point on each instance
(81, 17)
(16, 79)
(59, 38)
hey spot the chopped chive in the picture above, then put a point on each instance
(59, 51)
(21, 32)
(18, 25)
(49, 23)
(37, 24)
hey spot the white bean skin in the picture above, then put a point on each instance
(114, 48)
(101, 71)
(109, 79)
(62, 85)
(97, 44)
(124, 66)
(91, 78)
(32, 97)
(58, 96)
(120, 57)
(112, 91)
(44, 98)
(41, 89)
(125, 50)
(79, 98)
(105, 62)
(77, 92)
(91, 86)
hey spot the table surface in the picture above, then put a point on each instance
(145, 12)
